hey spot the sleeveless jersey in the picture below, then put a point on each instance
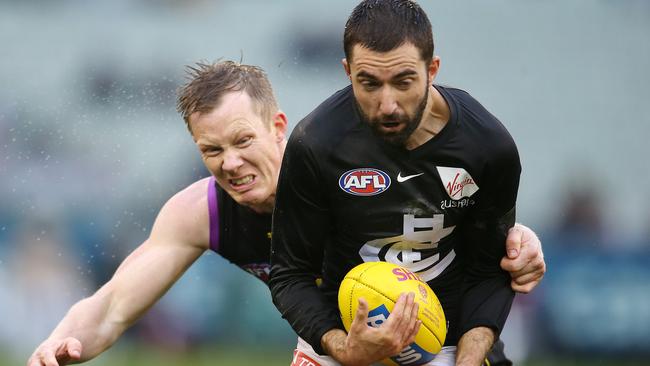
(239, 234)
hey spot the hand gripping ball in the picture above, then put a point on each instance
(380, 284)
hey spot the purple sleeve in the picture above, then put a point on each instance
(213, 212)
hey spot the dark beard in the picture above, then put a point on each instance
(398, 138)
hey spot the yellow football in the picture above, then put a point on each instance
(380, 284)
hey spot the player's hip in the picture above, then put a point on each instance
(304, 355)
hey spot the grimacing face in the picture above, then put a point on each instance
(391, 89)
(241, 149)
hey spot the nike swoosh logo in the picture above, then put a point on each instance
(401, 179)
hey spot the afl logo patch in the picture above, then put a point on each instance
(364, 181)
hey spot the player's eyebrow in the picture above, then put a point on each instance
(405, 73)
(207, 141)
(365, 74)
(208, 145)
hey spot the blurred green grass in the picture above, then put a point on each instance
(206, 356)
(237, 355)
(132, 355)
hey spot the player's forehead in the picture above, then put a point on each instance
(236, 113)
(236, 110)
(367, 62)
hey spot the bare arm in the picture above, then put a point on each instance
(474, 346)
(179, 236)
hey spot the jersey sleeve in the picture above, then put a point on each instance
(300, 232)
(487, 295)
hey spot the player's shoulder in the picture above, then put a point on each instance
(192, 197)
(331, 118)
(185, 214)
(469, 106)
(477, 123)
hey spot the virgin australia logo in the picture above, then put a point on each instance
(457, 182)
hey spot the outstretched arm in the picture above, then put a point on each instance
(93, 324)
(524, 259)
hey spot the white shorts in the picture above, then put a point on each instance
(304, 355)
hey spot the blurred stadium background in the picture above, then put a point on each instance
(91, 147)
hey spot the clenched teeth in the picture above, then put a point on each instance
(240, 181)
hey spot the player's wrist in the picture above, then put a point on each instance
(333, 343)
(474, 346)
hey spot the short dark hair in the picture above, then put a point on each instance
(208, 83)
(383, 25)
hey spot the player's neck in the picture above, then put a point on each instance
(434, 119)
(265, 207)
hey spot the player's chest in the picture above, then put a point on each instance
(245, 238)
(405, 211)
(378, 187)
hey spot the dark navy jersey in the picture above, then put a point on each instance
(345, 196)
(238, 233)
